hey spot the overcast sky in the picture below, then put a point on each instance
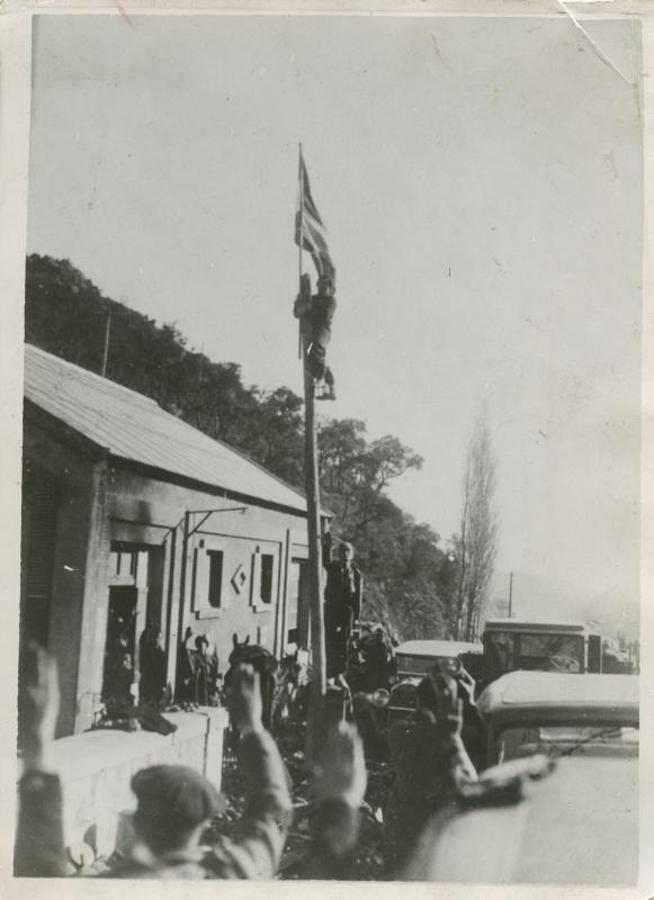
(481, 183)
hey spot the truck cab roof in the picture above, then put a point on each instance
(552, 697)
(535, 625)
(438, 649)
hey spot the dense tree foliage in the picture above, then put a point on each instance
(411, 582)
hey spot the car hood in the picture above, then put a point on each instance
(579, 826)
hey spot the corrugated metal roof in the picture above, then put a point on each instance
(133, 427)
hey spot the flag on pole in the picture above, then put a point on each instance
(310, 233)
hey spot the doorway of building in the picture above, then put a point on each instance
(120, 649)
(126, 620)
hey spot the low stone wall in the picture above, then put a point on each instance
(96, 768)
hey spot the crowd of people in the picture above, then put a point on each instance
(176, 804)
(432, 754)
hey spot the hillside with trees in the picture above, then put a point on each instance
(412, 583)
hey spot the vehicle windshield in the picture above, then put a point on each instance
(562, 740)
(508, 651)
(410, 664)
(551, 652)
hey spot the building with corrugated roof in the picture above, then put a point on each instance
(131, 517)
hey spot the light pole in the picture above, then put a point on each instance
(510, 595)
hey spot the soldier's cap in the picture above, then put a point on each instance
(174, 798)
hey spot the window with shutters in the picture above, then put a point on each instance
(264, 578)
(267, 567)
(215, 578)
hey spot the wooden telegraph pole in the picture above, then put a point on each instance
(319, 680)
(312, 488)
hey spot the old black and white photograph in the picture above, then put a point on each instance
(330, 485)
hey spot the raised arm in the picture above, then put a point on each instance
(358, 596)
(39, 847)
(461, 768)
(327, 548)
(268, 806)
(339, 785)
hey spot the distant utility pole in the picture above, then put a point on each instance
(105, 355)
(510, 594)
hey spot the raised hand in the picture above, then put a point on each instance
(245, 699)
(39, 706)
(467, 683)
(339, 769)
(455, 719)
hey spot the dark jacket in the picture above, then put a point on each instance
(428, 761)
(335, 830)
(39, 848)
(344, 587)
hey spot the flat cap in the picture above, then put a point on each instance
(175, 798)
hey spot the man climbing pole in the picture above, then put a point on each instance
(315, 314)
(315, 318)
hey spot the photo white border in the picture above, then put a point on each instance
(15, 86)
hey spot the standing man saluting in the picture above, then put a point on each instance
(342, 608)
